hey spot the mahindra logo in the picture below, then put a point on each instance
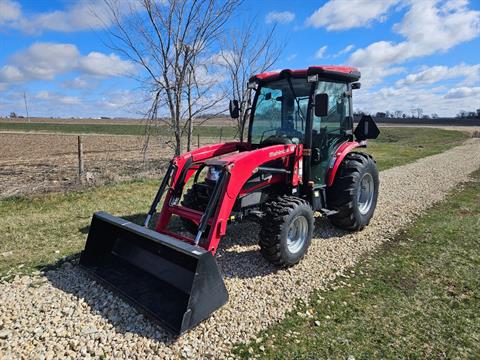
(280, 152)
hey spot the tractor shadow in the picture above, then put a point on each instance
(238, 254)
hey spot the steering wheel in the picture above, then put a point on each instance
(276, 140)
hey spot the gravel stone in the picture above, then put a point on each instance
(68, 314)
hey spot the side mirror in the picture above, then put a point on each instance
(366, 129)
(234, 109)
(356, 86)
(321, 105)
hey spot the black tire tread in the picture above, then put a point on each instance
(340, 195)
(277, 212)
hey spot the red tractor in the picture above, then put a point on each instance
(297, 160)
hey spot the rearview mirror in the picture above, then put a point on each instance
(321, 105)
(234, 109)
(356, 86)
(366, 129)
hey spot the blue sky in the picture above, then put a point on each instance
(412, 54)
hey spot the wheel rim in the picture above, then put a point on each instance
(297, 234)
(365, 193)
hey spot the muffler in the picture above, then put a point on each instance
(169, 280)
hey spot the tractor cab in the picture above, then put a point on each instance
(312, 107)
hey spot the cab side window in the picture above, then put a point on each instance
(328, 130)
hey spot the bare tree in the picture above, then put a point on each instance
(202, 95)
(419, 112)
(166, 39)
(247, 51)
(398, 114)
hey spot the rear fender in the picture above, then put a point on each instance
(340, 154)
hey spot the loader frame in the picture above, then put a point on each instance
(237, 167)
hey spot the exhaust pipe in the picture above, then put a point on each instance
(171, 281)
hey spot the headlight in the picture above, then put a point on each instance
(213, 173)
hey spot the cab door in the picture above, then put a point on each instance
(330, 131)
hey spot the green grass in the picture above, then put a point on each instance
(398, 146)
(418, 298)
(114, 129)
(37, 231)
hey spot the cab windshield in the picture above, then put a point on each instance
(281, 112)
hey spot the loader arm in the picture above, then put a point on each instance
(237, 168)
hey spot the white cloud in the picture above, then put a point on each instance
(345, 50)
(119, 103)
(343, 15)
(56, 98)
(97, 63)
(434, 74)
(374, 75)
(320, 53)
(291, 57)
(80, 15)
(10, 73)
(282, 17)
(428, 27)
(77, 83)
(463, 92)
(43, 61)
(431, 100)
(10, 11)
(42, 95)
(222, 58)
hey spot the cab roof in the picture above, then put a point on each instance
(343, 73)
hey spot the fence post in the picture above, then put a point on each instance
(80, 158)
(198, 139)
(221, 133)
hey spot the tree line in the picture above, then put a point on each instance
(416, 113)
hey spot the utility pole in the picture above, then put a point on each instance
(26, 105)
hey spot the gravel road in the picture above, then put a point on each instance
(63, 314)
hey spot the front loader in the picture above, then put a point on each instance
(298, 160)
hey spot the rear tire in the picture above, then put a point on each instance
(286, 230)
(354, 192)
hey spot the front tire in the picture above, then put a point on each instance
(286, 230)
(354, 192)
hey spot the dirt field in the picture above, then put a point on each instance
(220, 121)
(33, 163)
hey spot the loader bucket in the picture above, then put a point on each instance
(169, 280)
